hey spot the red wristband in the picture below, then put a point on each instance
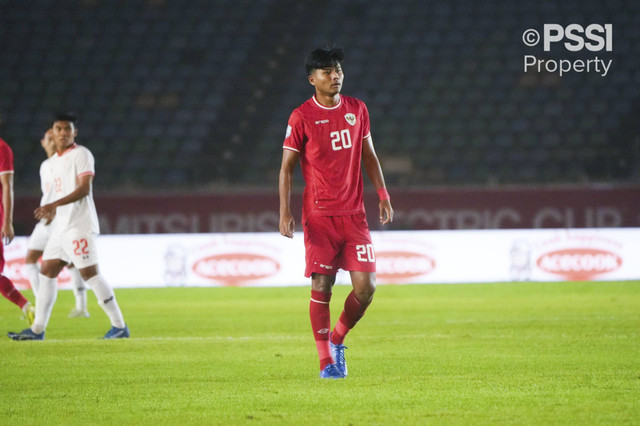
(383, 194)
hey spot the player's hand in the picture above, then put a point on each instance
(7, 233)
(386, 212)
(287, 225)
(46, 212)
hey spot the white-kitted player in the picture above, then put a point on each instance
(40, 236)
(74, 229)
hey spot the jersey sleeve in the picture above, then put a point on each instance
(6, 158)
(366, 126)
(85, 163)
(43, 177)
(294, 138)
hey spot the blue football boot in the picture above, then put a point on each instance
(337, 353)
(26, 334)
(117, 333)
(331, 371)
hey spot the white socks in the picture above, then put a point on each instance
(32, 270)
(79, 289)
(47, 294)
(106, 300)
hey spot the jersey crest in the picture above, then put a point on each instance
(351, 118)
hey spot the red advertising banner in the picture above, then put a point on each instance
(415, 209)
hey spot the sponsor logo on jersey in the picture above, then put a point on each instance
(288, 132)
(351, 118)
(325, 121)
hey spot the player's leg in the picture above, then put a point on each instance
(320, 315)
(321, 250)
(358, 257)
(47, 293)
(11, 293)
(355, 306)
(32, 270)
(83, 253)
(107, 301)
(35, 247)
(80, 293)
(364, 286)
(52, 263)
(53, 260)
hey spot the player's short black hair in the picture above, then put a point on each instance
(324, 57)
(65, 116)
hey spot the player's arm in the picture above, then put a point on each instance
(285, 184)
(7, 205)
(374, 171)
(83, 189)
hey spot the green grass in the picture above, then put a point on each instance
(563, 353)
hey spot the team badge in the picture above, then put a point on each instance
(351, 118)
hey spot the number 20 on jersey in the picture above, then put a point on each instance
(340, 140)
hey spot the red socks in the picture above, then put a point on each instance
(8, 290)
(321, 325)
(321, 322)
(353, 311)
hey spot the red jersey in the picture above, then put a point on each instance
(6, 166)
(329, 140)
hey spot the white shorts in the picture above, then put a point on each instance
(39, 237)
(80, 250)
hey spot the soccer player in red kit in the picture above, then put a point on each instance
(329, 134)
(7, 289)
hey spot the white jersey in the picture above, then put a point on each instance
(46, 182)
(79, 217)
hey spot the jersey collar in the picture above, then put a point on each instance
(68, 149)
(325, 107)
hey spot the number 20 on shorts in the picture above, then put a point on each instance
(365, 253)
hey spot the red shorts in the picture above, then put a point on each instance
(333, 242)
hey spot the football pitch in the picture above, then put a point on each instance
(483, 354)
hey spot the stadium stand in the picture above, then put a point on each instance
(196, 94)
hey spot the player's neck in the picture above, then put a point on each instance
(328, 100)
(65, 149)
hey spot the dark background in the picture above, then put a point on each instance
(194, 96)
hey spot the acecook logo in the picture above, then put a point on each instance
(235, 268)
(14, 269)
(579, 264)
(401, 265)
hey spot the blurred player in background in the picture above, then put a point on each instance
(7, 289)
(74, 230)
(330, 135)
(40, 236)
